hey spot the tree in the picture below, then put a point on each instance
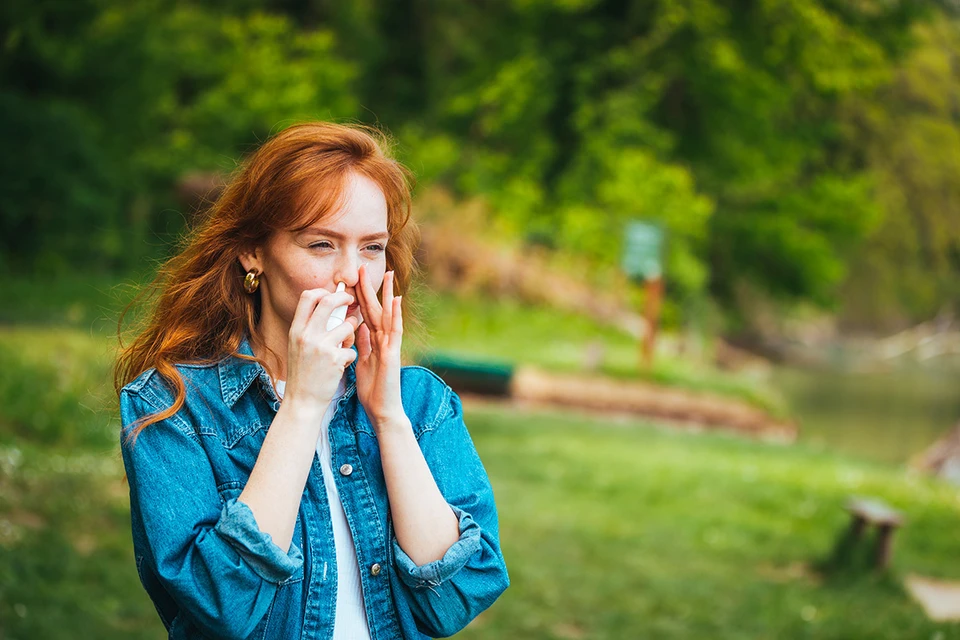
(108, 103)
(908, 133)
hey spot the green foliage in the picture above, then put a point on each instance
(755, 132)
(111, 103)
(233, 80)
(630, 183)
(909, 135)
(723, 122)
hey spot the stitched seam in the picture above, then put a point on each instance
(197, 365)
(443, 411)
(266, 618)
(141, 381)
(230, 484)
(226, 388)
(179, 423)
(240, 434)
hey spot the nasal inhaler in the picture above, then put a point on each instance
(338, 315)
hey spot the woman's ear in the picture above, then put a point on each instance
(252, 260)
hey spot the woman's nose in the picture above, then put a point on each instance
(348, 270)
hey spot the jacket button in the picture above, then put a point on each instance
(346, 469)
(375, 569)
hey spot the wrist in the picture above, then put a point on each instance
(303, 411)
(392, 424)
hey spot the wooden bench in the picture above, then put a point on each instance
(868, 512)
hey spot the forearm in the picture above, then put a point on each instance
(425, 525)
(275, 486)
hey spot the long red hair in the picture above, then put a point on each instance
(201, 312)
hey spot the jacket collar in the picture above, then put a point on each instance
(237, 374)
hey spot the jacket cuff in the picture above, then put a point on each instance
(238, 527)
(434, 573)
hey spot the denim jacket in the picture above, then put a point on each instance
(211, 572)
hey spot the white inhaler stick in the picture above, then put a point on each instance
(338, 315)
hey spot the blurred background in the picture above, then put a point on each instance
(799, 161)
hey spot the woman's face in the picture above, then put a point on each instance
(329, 252)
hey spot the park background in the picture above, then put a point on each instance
(802, 157)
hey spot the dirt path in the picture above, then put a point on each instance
(535, 388)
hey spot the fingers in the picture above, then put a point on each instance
(315, 306)
(363, 341)
(351, 355)
(350, 340)
(326, 306)
(398, 316)
(386, 318)
(352, 337)
(308, 300)
(317, 324)
(366, 341)
(370, 307)
(342, 336)
(343, 332)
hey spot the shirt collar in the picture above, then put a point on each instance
(237, 374)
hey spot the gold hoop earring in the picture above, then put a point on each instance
(252, 281)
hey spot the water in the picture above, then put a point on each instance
(889, 416)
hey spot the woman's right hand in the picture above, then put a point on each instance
(316, 358)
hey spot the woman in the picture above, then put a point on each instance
(287, 477)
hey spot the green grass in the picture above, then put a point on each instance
(628, 531)
(66, 563)
(610, 530)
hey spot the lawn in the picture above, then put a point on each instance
(610, 530)
(629, 531)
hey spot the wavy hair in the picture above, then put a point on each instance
(200, 312)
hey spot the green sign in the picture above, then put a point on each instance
(642, 250)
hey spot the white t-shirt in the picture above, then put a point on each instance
(350, 619)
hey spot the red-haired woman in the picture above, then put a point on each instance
(288, 479)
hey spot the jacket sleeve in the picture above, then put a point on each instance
(211, 557)
(445, 595)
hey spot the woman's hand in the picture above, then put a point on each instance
(378, 345)
(316, 358)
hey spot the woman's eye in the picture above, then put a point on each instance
(324, 244)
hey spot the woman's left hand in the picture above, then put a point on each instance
(378, 349)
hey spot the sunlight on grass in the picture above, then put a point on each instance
(610, 530)
(637, 532)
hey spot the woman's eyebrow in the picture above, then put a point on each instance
(320, 231)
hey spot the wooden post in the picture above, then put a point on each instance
(857, 527)
(884, 544)
(653, 294)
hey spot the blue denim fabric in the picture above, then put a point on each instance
(211, 572)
